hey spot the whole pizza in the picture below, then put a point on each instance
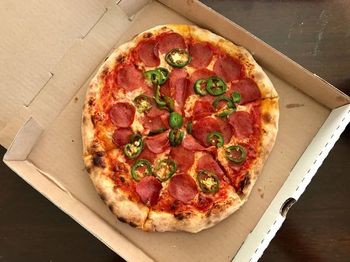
(177, 125)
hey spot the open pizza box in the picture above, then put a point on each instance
(49, 52)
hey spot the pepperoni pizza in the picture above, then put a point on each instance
(177, 125)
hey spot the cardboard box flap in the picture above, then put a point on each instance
(34, 37)
(70, 65)
(131, 7)
(24, 141)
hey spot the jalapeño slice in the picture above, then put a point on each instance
(169, 103)
(164, 102)
(157, 76)
(208, 181)
(236, 97)
(156, 131)
(225, 113)
(165, 169)
(236, 154)
(225, 99)
(143, 103)
(175, 120)
(133, 149)
(215, 139)
(216, 86)
(178, 57)
(200, 87)
(230, 106)
(176, 136)
(144, 165)
(164, 74)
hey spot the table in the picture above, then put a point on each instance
(315, 34)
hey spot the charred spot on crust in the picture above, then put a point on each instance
(132, 224)
(147, 35)
(122, 219)
(245, 182)
(102, 196)
(98, 159)
(88, 169)
(110, 206)
(91, 101)
(84, 119)
(179, 216)
(93, 120)
(267, 117)
(105, 71)
(120, 59)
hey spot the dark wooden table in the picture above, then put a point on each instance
(316, 34)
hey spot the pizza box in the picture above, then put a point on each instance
(49, 52)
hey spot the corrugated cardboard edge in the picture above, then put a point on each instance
(295, 185)
(61, 197)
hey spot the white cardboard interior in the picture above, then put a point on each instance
(54, 127)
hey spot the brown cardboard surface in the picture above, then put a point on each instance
(28, 59)
(57, 154)
(296, 124)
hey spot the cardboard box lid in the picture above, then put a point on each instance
(55, 128)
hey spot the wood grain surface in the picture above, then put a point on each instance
(315, 34)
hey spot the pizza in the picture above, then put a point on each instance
(177, 125)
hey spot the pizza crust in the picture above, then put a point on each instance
(126, 210)
(138, 214)
(193, 221)
(269, 127)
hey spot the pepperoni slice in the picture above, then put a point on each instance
(165, 89)
(198, 74)
(156, 123)
(207, 162)
(155, 112)
(201, 55)
(158, 143)
(202, 127)
(149, 189)
(202, 109)
(183, 157)
(227, 68)
(129, 78)
(183, 187)
(242, 123)
(191, 144)
(168, 41)
(155, 119)
(122, 114)
(121, 136)
(248, 89)
(178, 86)
(147, 154)
(148, 52)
